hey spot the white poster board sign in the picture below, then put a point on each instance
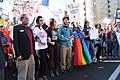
(74, 12)
(93, 34)
(58, 14)
(118, 37)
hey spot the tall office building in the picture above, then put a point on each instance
(112, 7)
(90, 11)
(101, 11)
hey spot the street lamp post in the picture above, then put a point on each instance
(1, 0)
(85, 10)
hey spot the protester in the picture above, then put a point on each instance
(41, 46)
(2, 59)
(110, 41)
(98, 43)
(65, 36)
(116, 54)
(81, 52)
(89, 42)
(24, 49)
(53, 48)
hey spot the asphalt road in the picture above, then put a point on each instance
(99, 71)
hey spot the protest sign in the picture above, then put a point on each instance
(74, 12)
(93, 34)
(58, 14)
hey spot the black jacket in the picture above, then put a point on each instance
(21, 42)
(2, 56)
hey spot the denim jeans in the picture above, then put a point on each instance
(116, 49)
(90, 45)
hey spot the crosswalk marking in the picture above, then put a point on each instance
(115, 74)
(111, 61)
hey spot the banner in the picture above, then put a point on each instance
(74, 12)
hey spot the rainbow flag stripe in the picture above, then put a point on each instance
(81, 52)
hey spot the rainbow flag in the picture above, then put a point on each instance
(81, 52)
(45, 2)
(5, 32)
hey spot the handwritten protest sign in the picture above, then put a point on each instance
(74, 12)
(58, 14)
(93, 34)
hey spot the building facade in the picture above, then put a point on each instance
(112, 7)
(101, 11)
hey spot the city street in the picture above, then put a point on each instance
(99, 71)
(96, 71)
(48, 36)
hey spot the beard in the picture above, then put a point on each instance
(25, 23)
(65, 23)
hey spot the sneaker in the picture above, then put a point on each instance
(57, 73)
(62, 70)
(94, 60)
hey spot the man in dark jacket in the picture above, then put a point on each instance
(24, 50)
(2, 60)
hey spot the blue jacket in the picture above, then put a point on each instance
(2, 56)
(63, 34)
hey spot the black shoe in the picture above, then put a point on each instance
(62, 70)
(69, 69)
(52, 75)
(56, 72)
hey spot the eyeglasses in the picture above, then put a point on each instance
(41, 20)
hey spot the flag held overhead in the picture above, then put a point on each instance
(45, 2)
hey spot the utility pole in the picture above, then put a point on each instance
(85, 10)
(118, 4)
(73, 0)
